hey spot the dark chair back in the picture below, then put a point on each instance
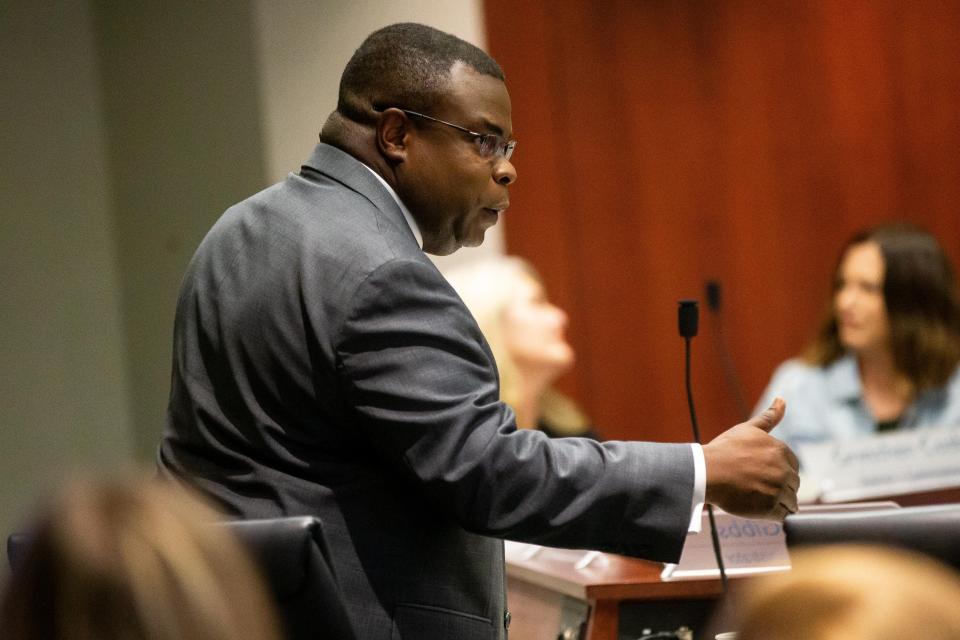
(16, 548)
(933, 530)
(295, 561)
(293, 555)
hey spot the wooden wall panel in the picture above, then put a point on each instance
(663, 144)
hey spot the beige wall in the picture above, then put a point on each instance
(127, 128)
(303, 47)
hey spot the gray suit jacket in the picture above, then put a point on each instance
(323, 366)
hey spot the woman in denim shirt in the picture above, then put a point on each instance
(886, 356)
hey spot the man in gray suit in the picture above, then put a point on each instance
(323, 366)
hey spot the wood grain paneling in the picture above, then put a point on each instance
(663, 144)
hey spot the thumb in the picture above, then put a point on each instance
(771, 417)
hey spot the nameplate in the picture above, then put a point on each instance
(884, 464)
(748, 546)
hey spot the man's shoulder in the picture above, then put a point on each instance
(321, 214)
(316, 193)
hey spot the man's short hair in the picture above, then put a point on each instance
(405, 65)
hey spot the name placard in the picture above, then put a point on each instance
(748, 546)
(884, 464)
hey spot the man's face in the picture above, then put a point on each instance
(453, 192)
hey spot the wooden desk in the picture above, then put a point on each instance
(547, 595)
(620, 597)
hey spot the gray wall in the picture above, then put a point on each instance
(185, 142)
(127, 127)
(63, 376)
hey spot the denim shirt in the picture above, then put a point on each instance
(826, 403)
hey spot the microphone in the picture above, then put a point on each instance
(688, 319)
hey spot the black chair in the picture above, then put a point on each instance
(295, 561)
(16, 548)
(933, 530)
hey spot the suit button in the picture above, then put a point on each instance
(506, 619)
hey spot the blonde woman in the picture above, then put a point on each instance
(134, 560)
(526, 333)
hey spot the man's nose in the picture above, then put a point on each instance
(504, 172)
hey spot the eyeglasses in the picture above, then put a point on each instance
(488, 144)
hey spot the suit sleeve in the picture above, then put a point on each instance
(425, 391)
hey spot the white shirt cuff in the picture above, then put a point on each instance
(699, 487)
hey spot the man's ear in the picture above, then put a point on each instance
(393, 133)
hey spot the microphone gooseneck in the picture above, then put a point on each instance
(714, 300)
(688, 321)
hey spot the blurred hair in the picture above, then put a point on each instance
(134, 560)
(852, 592)
(405, 65)
(922, 301)
(488, 288)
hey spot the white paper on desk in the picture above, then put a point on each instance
(885, 464)
(517, 551)
(577, 558)
(748, 546)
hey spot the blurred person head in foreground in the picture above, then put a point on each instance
(526, 333)
(134, 559)
(852, 592)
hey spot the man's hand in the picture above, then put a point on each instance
(749, 472)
